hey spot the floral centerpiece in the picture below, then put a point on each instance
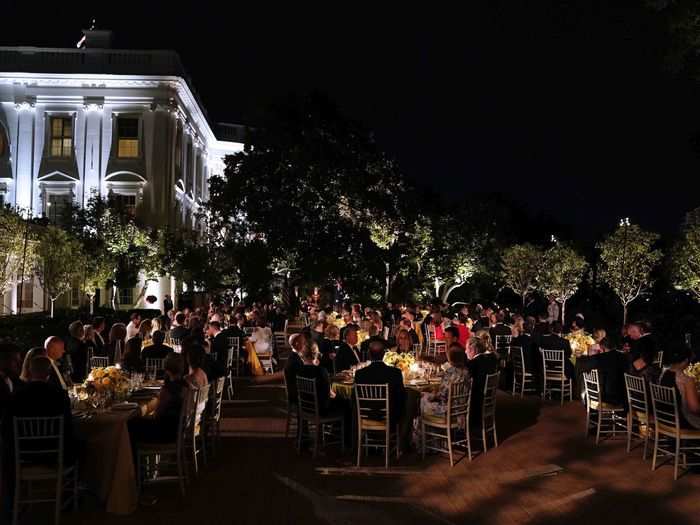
(693, 371)
(401, 361)
(580, 342)
(109, 380)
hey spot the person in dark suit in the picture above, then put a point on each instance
(55, 350)
(179, 331)
(157, 350)
(531, 356)
(480, 364)
(643, 343)
(501, 328)
(293, 365)
(611, 366)
(39, 398)
(311, 370)
(329, 347)
(552, 340)
(348, 352)
(167, 304)
(78, 351)
(379, 373)
(98, 323)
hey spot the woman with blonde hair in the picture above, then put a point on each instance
(37, 351)
(329, 347)
(145, 331)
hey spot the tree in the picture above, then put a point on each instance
(627, 259)
(17, 248)
(685, 259)
(56, 265)
(520, 266)
(560, 273)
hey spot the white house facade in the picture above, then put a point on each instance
(78, 122)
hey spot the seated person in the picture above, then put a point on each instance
(611, 366)
(407, 324)
(435, 403)
(404, 344)
(379, 373)
(552, 340)
(329, 347)
(312, 370)
(678, 358)
(131, 360)
(40, 398)
(481, 363)
(179, 330)
(164, 412)
(451, 337)
(196, 357)
(157, 350)
(293, 365)
(348, 353)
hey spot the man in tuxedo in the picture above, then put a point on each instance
(480, 364)
(294, 364)
(643, 343)
(501, 328)
(157, 350)
(167, 304)
(98, 323)
(179, 331)
(348, 352)
(611, 366)
(379, 373)
(55, 350)
(40, 398)
(552, 340)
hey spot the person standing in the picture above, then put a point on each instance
(132, 329)
(167, 304)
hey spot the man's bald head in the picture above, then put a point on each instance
(55, 347)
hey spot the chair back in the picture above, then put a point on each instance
(307, 397)
(659, 359)
(216, 396)
(38, 440)
(201, 399)
(155, 367)
(280, 340)
(592, 384)
(98, 361)
(233, 342)
(489, 403)
(553, 363)
(458, 399)
(637, 399)
(663, 399)
(187, 417)
(516, 354)
(503, 343)
(416, 350)
(372, 402)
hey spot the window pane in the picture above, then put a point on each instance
(67, 127)
(128, 128)
(128, 148)
(67, 147)
(56, 127)
(55, 147)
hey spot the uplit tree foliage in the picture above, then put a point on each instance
(685, 258)
(627, 258)
(520, 265)
(56, 266)
(17, 248)
(560, 272)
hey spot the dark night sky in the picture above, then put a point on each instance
(564, 107)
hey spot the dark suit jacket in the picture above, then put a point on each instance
(323, 385)
(329, 347)
(643, 347)
(156, 352)
(291, 369)
(42, 399)
(479, 367)
(531, 354)
(556, 342)
(78, 352)
(345, 358)
(611, 368)
(179, 332)
(378, 373)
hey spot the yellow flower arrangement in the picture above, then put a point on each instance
(580, 342)
(693, 371)
(400, 361)
(109, 379)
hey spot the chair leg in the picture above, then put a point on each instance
(300, 434)
(180, 473)
(59, 493)
(468, 437)
(656, 450)
(598, 423)
(629, 431)
(646, 441)
(342, 436)
(676, 458)
(317, 437)
(495, 434)
(398, 442)
(483, 436)
(422, 438)
(387, 450)
(449, 444)
(359, 444)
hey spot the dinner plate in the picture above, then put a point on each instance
(125, 406)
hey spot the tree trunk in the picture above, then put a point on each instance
(524, 297)
(437, 287)
(449, 290)
(624, 314)
(387, 279)
(563, 312)
(53, 300)
(114, 297)
(92, 303)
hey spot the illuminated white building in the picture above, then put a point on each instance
(78, 122)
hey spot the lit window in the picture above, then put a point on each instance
(25, 293)
(126, 296)
(128, 137)
(61, 136)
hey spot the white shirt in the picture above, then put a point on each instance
(131, 330)
(58, 373)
